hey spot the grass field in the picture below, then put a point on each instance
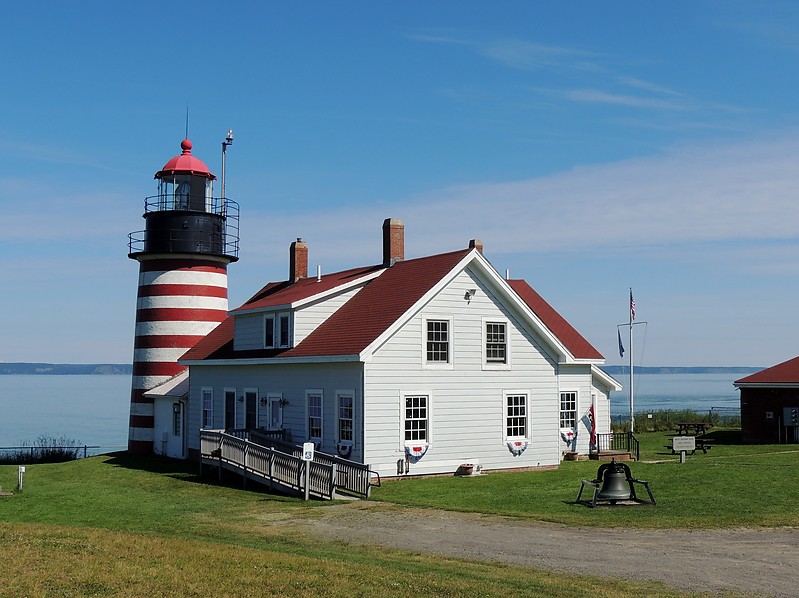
(119, 526)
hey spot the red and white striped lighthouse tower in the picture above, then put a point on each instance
(190, 237)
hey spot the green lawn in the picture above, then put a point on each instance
(732, 485)
(121, 526)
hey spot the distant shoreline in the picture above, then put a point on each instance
(65, 369)
(623, 369)
(105, 369)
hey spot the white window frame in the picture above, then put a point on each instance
(229, 390)
(274, 402)
(429, 408)
(207, 402)
(561, 410)
(269, 341)
(308, 394)
(496, 365)
(340, 394)
(439, 365)
(278, 326)
(506, 396)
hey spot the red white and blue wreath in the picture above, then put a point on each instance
(344, 449)
(517, 447)
(416, 451)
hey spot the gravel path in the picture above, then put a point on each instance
(757, 562)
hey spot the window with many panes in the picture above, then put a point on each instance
(437, 341)
(208, 407)
(568, 409)
(516, 416)
(346, 403)
(314, 416)
(496, 342)
(416, 418)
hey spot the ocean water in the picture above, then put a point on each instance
(662, 392)
(93, 410)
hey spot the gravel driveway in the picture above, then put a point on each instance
(760, 562)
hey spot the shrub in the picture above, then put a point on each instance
(45, 449)
(666, 420)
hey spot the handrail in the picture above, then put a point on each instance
(351, 477)
(268, 464)
(619, 441)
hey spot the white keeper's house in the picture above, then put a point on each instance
(411, 366)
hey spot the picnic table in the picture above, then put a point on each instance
(700, 444)
(695, 427)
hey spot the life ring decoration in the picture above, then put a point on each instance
(416, 451)
(344, 450)
(517, 447)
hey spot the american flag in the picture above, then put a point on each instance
(632, 306)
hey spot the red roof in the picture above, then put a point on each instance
(574, 341)
(185, 163)
(377, 306)
(786, 372)
(285, 293)
(372, 311)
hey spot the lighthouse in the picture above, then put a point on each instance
(189, 239)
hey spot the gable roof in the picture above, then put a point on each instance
(557, 324)
(277, 294)
(388, 293)
(786, 372)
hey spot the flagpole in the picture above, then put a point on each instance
(632, 387)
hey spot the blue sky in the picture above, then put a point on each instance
(592, 147)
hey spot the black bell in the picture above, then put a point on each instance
(615, 482)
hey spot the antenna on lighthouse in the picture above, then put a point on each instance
(228, 141)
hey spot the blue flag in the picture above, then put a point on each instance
(621, 347)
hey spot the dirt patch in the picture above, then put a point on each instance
(758, 562)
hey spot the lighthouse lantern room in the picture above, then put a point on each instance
(190, 237)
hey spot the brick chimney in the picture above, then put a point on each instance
(476, 244)
(298, 260)
(393, 241)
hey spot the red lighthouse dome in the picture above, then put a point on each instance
(185, 163)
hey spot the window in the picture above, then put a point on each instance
(568, 409)
(208, 407)
(177, 412)
(269, 331)
(314, 410)
(516, 416)
(284, 330)
(230, 408)
(251, 408)
(346, 401)
(277, 330)
(496, 343)
(416, 418)
(275, 410)
(437, 341)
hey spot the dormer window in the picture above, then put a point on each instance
(277, 330)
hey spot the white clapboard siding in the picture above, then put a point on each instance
(291, 381)
(467, 402)
(309, 317)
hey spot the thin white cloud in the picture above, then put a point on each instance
(691, 194)
(595, 96)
